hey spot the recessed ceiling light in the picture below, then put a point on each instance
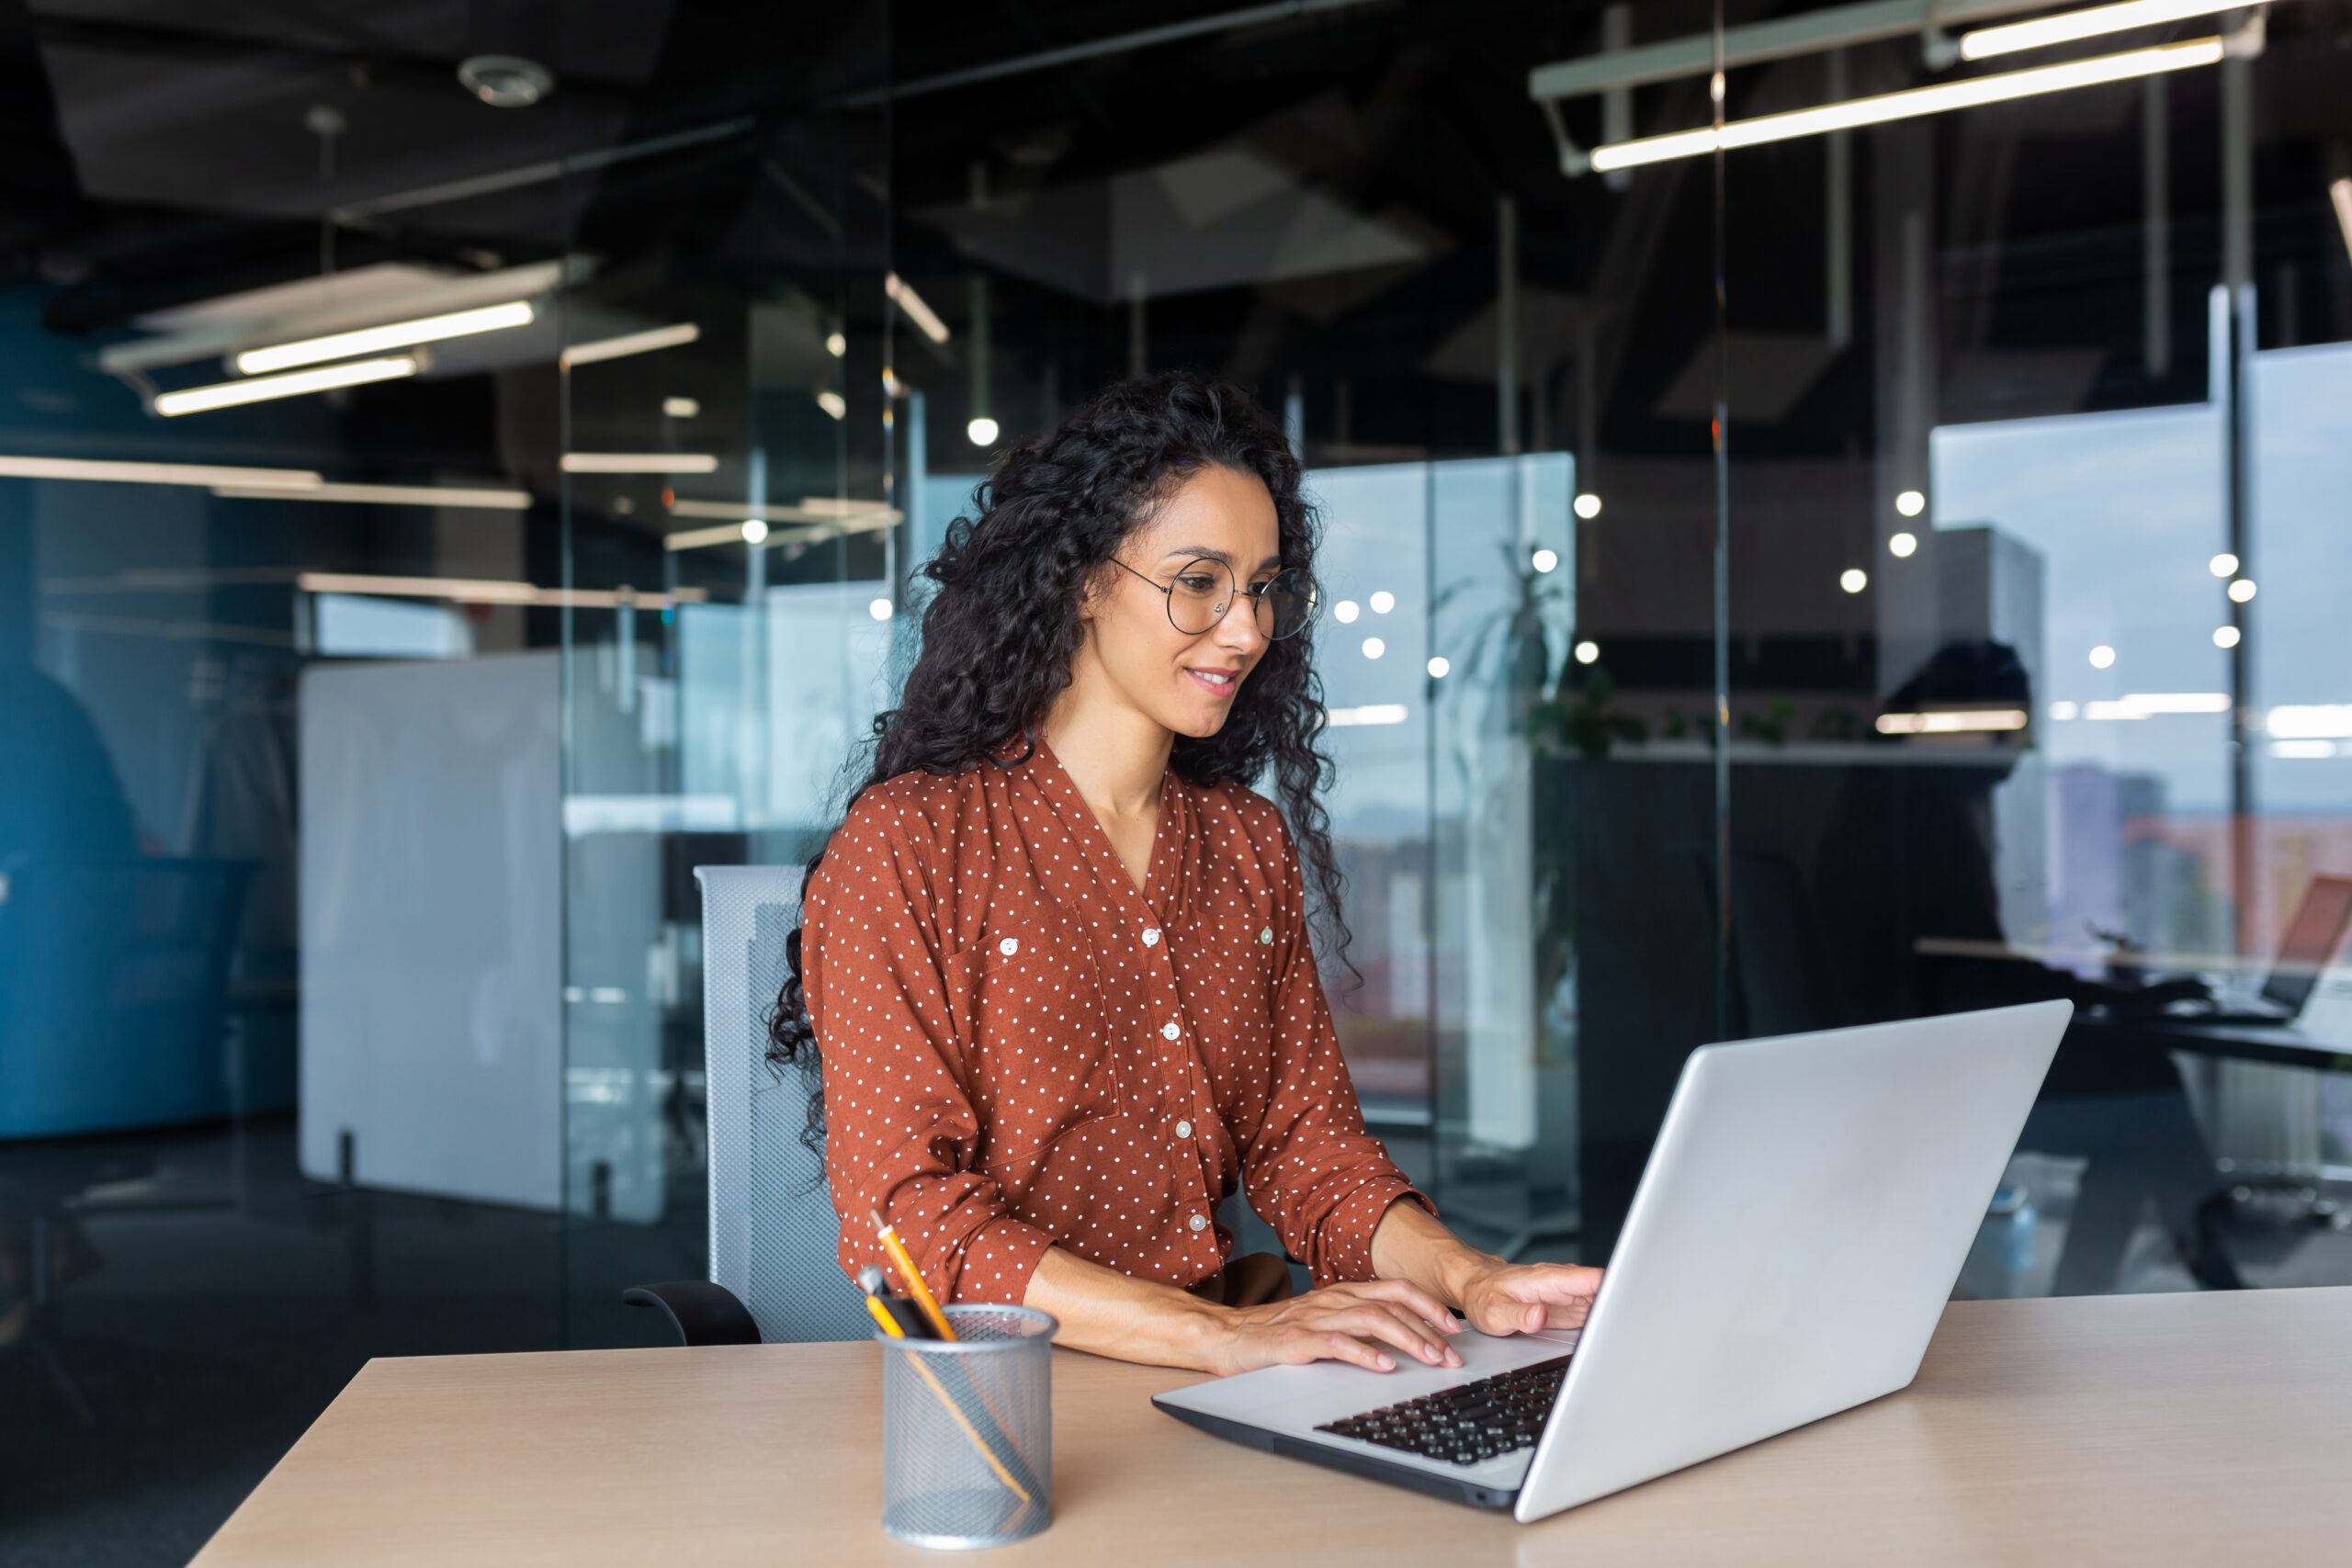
(681, 408)
(505, 80)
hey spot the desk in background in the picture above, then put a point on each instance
(2142, 1429)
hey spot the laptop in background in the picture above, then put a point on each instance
(2312, 940)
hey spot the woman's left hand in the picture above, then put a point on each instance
(1520, 1298)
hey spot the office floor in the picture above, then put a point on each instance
(224, 1304)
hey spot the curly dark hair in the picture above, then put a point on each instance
(1002, 625)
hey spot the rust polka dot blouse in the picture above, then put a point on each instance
(1022, 1050)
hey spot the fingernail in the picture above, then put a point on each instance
(1385, 1363)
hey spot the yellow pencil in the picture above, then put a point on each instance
(906, 1271)
(881, 1314)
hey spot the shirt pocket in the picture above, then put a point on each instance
(1028, 1004)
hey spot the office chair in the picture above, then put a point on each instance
(775, 1276)
(113, 983)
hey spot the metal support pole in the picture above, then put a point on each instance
(1506, 326)
(1838, 234)
(2155, 235)
(2236, 306)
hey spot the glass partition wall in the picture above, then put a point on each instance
(1880, 571)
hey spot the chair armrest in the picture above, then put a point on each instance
(701, 1313)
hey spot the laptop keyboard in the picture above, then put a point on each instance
(1468, 1424)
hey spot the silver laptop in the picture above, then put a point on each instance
(1795, 1235)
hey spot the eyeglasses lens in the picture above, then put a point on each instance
(1197, 598)
(1287, 604)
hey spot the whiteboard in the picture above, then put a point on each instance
(432, 926)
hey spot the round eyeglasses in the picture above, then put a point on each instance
(1202, 591)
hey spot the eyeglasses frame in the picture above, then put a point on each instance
(1256, 595)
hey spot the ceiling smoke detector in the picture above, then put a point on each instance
(505, 80)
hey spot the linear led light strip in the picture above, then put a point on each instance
(386, 495)
(488, 590)
(261, 388)
(640, 463)
(621, 347)
(2071, 26)
(277, 481)
(1950, 723)
(398, 335)
(925, 319)
(1911, 103)
(811, 509)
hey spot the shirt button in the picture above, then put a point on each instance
(1009, 946)
(1152, 936)
(1266, 936)
(1170, 1031)
(1183, 1129)
(1200, 1222)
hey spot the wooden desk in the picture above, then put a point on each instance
(2123, 1429)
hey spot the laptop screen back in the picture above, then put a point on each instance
(2312, 939)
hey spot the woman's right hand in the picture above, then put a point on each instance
(1368, 1324)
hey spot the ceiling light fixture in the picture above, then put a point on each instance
(2227, 637)
(1970, 721)
(1903, 546)
(981, 432)
(2223, 565)
(926, 320)
(208, 476)
(480, 591)
(1910, 503)
(2069, 25)
(1909, 104)
(2312, 721)
(640, 463)
(505, 80)
(261, 388)
(399, 335)
(384, 495)
(833, 403)
(1587, 506)
(621, 347)
(1371, 712)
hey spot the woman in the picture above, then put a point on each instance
(1056, 959)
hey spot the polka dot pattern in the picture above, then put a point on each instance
(1023, 1050)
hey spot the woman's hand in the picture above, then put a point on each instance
(1367, 1324)
(1520, 1297)
(1496, 1297)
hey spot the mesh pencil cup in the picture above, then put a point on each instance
(967, 1431)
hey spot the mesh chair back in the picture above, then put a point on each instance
(773, 1232)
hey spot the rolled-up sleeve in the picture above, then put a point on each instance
(1313, 1171)
(901, 1133)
